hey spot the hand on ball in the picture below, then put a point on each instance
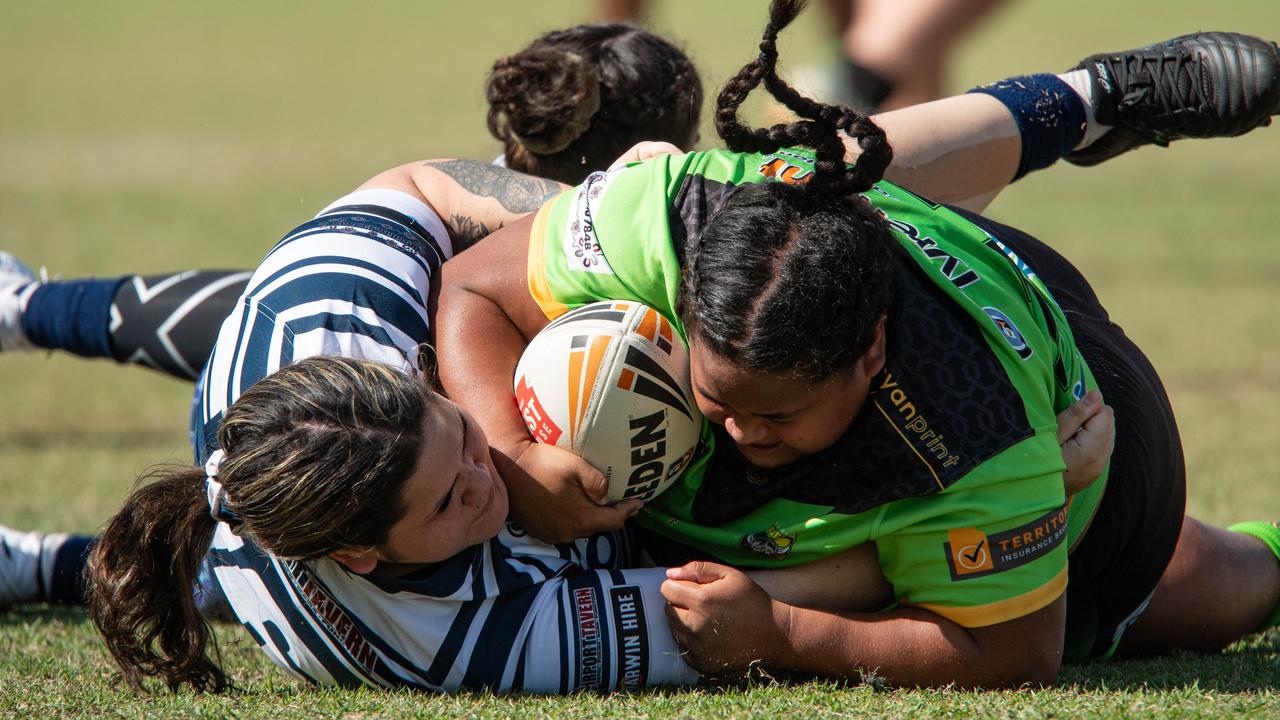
(562, 498)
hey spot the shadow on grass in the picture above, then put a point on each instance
(33, 615)
(1248, 666)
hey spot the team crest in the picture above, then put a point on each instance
(1010, 332)
(771, 543)
(1078, 388)
(788, 172)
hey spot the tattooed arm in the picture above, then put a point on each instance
(473, 198)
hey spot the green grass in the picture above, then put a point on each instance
(150, 136)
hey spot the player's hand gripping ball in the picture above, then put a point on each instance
(609, 382)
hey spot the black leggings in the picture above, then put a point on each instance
(1115, 567)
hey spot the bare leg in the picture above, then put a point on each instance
(907, 42)
(622, 10)
(1219, 587)
(961, 150)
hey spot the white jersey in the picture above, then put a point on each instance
(509, 614)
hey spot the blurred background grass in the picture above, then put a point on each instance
(151, 136)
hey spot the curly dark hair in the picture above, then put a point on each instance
(576, 99)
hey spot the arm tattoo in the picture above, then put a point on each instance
(467, 232)
(516, 192)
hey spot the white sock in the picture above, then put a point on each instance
(24, 566)
(1082, 83)
(49, 546)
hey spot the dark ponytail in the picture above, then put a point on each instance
(143, 571)
(821, 124)
(792, 278)
(316, 459)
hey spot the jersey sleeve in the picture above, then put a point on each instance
(986, 552)
(621, 234)
(607, 239)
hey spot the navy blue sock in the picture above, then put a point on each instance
(70, 583)
(1049, 113)
(74, 316)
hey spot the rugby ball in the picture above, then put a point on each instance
(609, 382)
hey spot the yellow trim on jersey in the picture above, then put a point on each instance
(1004, 610)
(539, 287)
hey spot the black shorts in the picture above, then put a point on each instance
(1115, 567)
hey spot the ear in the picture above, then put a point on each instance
(873, 358)
(360, 562)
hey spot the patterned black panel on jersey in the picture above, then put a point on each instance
(698, 199)
(942, 406)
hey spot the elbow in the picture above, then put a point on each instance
(1041, 670)
(1012, 668)
(1035, 668)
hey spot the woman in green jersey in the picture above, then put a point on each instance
(882, 372)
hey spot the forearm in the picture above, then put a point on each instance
(847, 581)
(478, 348)
(484, 320)
(912, 647)
(961, 150)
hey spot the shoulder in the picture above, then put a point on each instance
(355, 281)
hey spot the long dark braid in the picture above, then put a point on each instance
(821, 123)
(785, 278)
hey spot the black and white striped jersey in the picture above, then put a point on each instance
(510, 614)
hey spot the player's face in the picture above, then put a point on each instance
(455, 497)
(774, 418)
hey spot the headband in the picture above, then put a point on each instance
(216, 494)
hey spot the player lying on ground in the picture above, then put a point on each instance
(489, 616)
(388, 344)
(962, 149)
(406, 573)
(357, 521)
(880, 369)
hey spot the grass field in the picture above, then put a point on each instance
(150, 136)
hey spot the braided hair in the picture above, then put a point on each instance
(793, 278)
(819, 127)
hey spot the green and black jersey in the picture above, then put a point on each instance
(952, 467)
